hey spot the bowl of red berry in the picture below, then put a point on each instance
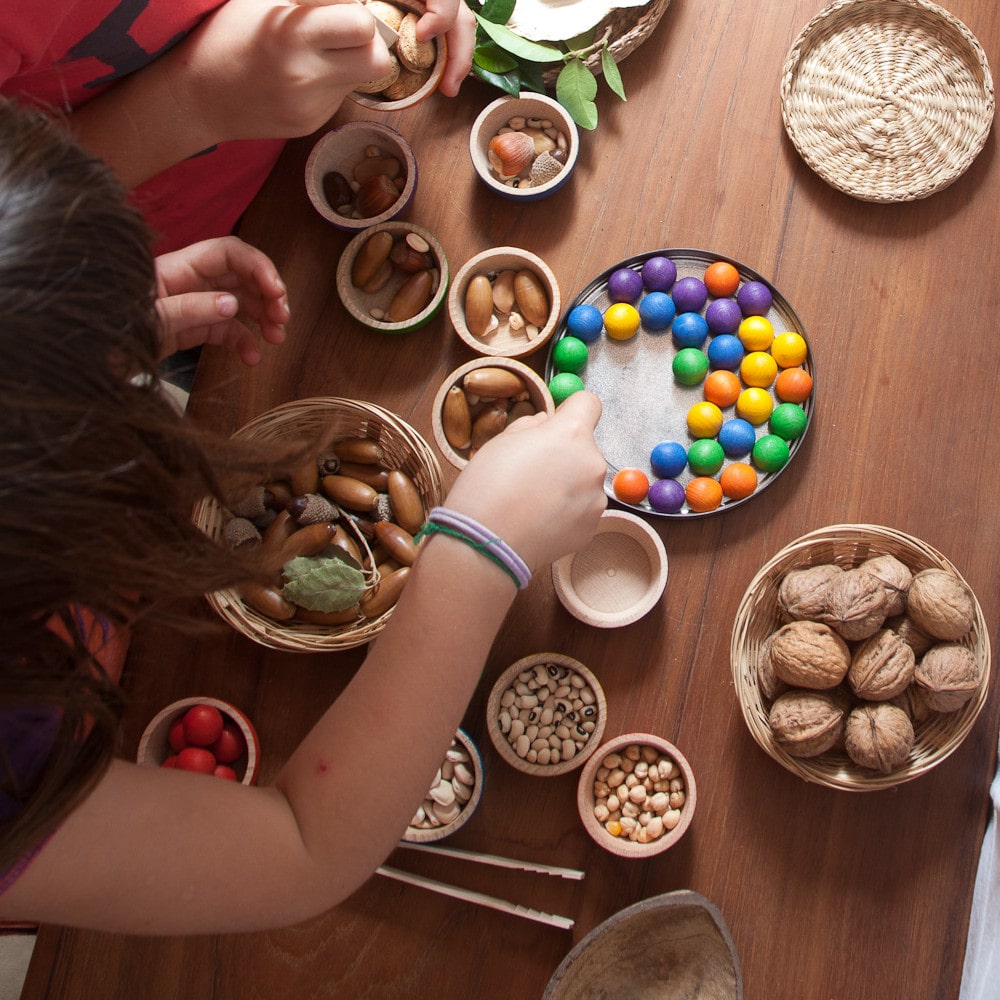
(205, 736)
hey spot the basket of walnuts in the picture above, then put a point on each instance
(860, 657)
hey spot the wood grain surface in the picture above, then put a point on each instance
(827, 894)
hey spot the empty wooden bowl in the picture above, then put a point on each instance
(523, 286)
(421, 259)
(618, 577)
(606, 775)
(370, 159)
(560, 696)
(538, 113)
(680, 947)
(155, 743)
(453, 796)
(537, 392)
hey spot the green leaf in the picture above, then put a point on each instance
(509, 83)
(497, 11)
(576, 88)
(518, 46)
(582, 41)
(611, 73)
(327, 582)
(493, 59)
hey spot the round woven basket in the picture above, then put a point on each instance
(404, 449)
(848, 545)
(625, 28)
(887, 100)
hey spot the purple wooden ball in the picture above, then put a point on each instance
(690, 295)
(754, 298)
(666, 496)
(659, 274)
(624, 285)
(723, 316)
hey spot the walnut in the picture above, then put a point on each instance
(807, 723)
(858, 603)
(918, 640)
(879, 736)
(948, 675)
(913, 701)
(770, 684)
(881, 667)
(809, 655)
(803, 594)
(895, 576)
(941, 604)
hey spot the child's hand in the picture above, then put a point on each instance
(202, 288)
(454, 20)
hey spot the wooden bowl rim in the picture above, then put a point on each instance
(506, 751)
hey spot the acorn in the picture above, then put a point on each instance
(510, 154)
(376, 195)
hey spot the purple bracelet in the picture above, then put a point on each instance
(484, 541)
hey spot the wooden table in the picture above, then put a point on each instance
(827, 894)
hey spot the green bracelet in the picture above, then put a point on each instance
(432, 527)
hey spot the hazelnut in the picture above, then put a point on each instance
(879, 736)
(806, 723)
(803, 594)
(941, 604)
(857, 604)
(882, 667)
(948, 674)
(809, 655)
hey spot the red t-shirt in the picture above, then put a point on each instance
(61, 53)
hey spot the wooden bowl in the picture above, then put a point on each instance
(370, 308)
(538, 394)
(377, 102)
(548, 673)
(680, 947)
(404, 449)
(154, 747)
(342, 150)
(594, 770)
(758, 615)
(425, 826)
(503, 340)
(496, 116)
(617, 577)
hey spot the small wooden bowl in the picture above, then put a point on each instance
(154, 748)
(360, 303)
(585, 798)
(538, 393)
(427, 834)
(686, 951)
(376, 102)
(341, 150)
(503, 341)
(495, 116)
(593, 711)
(618, 577)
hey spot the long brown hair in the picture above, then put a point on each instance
(98, 472)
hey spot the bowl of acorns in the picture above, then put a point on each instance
(860, 657)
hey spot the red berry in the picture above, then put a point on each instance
(196, 759)
(171, 761)
(230, 745)
(226, 772)
(202, 725)
(175, 737)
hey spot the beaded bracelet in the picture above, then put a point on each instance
(443, 520)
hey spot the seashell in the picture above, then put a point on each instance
(412, 298)
(510, 154)
(543, 169)
(478, 305)
(531, 297)
(370, 258)
(456, 418)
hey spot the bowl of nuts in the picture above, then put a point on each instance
(505, 302)
(479, 399)
(860, 657)
(454, 793)
(393, 277)
(546, 714)
(417, 67)
(341, 524)
(524, 148)
(636, 795)
(203, 735)
(360, 174)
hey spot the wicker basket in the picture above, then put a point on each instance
(887, 100)
(404, 449)
(757, 617)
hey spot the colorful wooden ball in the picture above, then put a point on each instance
(722, 387)
(585, 321)
(689, 365)
(668, 459)
(770, 453)
(788, 421)
(563, 385)
(723, 316)
(703, 494)
(738, 480)
(725, 351)
(737, 437)
(624, 285)
(705, 457)
(721, 278)
(689, 294)
(656, 310)
(630, 485)
(754, 405)
(666, 496)
(621, 320)
(690, 329)
(789, 349)
(756, 333)
(793, 385)
(754, 298)
(758, 368)
(569, 354)
(704, 420)
(659, 274)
